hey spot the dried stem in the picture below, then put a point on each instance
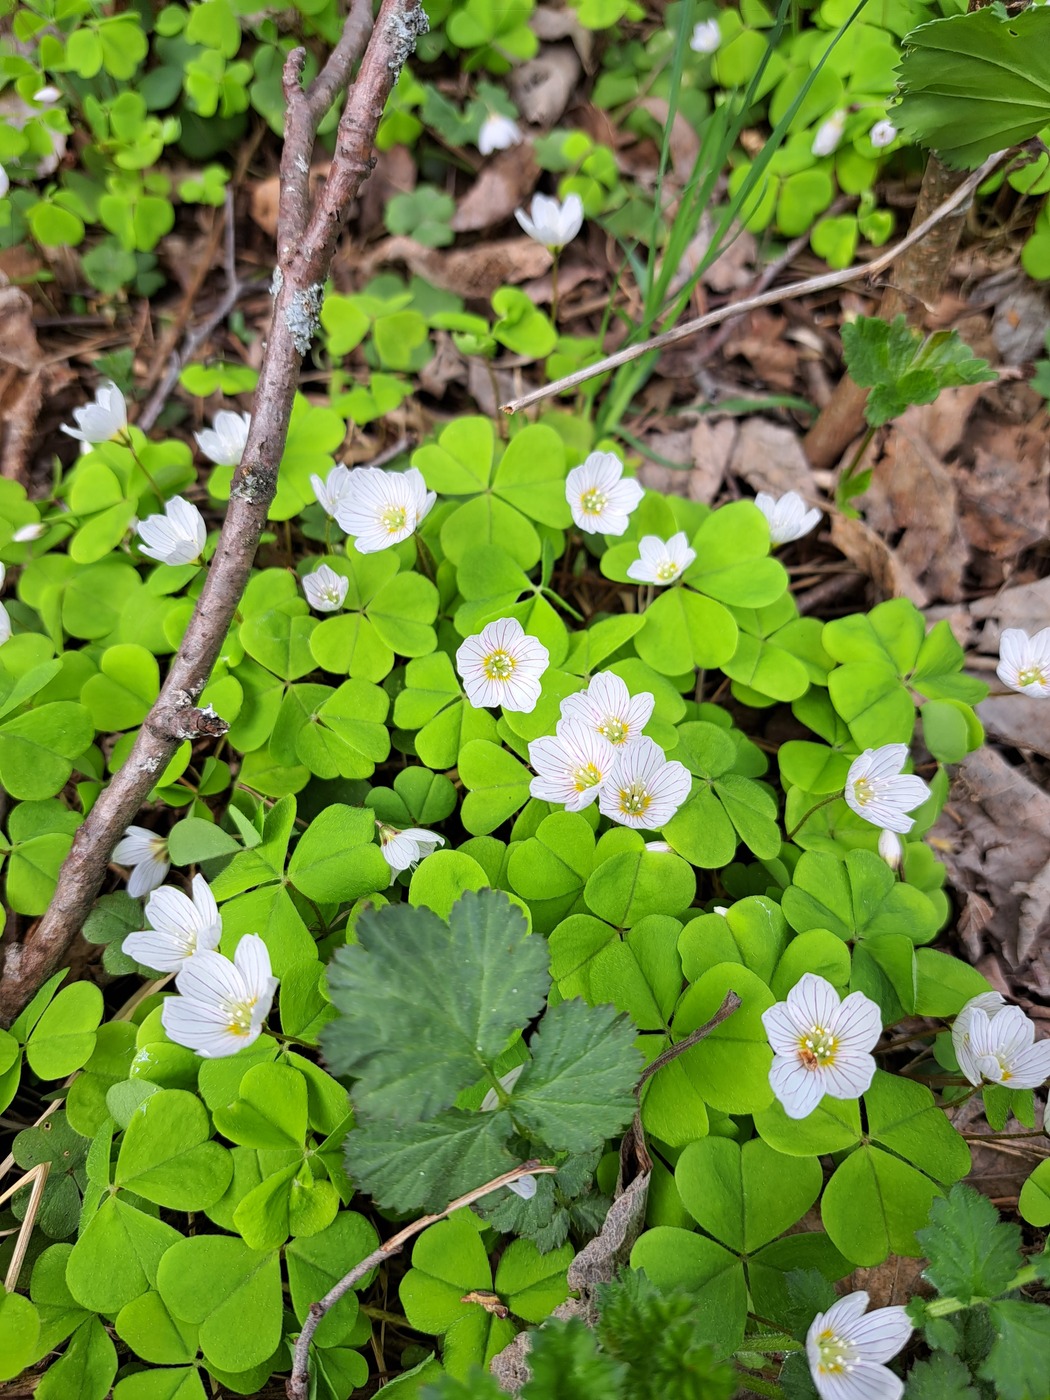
(731, 1003)
(38, 1176)
(794, 290)
(306, 238)
(298, 1383)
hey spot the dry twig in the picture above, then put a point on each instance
(306, 242)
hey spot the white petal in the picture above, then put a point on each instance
(850, 1075)
(252, 960)
(147, 875)
(135, 845)
(813, 1001)
(879, 1335)
(156, 950)
(857, 1023)
(799, 1089)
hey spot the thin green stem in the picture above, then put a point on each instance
(944, 1307)
(554, 288)
(832, 797)
(427, 563)
(842, 491)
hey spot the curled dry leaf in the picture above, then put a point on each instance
(504, 184)
(544, 86)
(685, 143)
(874, 557)
(469, 272)
(769, 457)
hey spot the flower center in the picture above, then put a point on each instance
(613, 729)
(393, 518)
(499, 665)
(1033, 675)
(816, 1047)
(239, 1015)
(158, 848)
(593, 502)
(836, 1354)
(635, 800)
(585, 777)
(386, 833)
(667, 571)
(863, 791)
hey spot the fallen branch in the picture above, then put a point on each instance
(298, 1382)
(823, 283)
(306, 240)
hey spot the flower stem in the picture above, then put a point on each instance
(427, 563)
(554, 287)
(832, 797)
(127, 442)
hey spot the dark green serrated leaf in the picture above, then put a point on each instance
(943, 1377)
(971, 1252)
(1017, 1363)
(422, 1166)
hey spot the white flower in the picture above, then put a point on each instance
(659, 846)
(382, 508)
(706, 37)
(890, 849)
(570, 764)
(644, 789)
(333, 490)
(5, 185)
(551, 223)
(846, 1350)
(882, 134)
(106, 418)
(5, 621)
(223, 443)
(325, 589)
(180, 928)
(610, 709)
(147, 854)
(498, 133)
(601, 503)
(878, 791)
(661, 561)
(47, 95)
(787, 515)
(829, 134)
(176, 537)
(27, 533)
(821, 1045)
(525, 1187)
(1024, 662)
(403, 850)
(221, 1004)
(502, 665)
(996, 1042)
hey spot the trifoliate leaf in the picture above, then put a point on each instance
(971, 1252)
(427, 1006)
(943, 1377)
(1016, 1364)
(409, 1167)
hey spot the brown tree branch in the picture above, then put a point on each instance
(306, 242)
(822, 283)
(297, 1385)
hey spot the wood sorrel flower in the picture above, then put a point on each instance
(5, 621)
(890, 849)
(996, 1042)
(847, 1350)
(106, 418)
(333, 489)
(882, 134)
(570, 764)
(147, 854)
(1024, 662)
(382, 508)
(223, 443)
(325, 589)
(180, 927)
(176, 537)
(601, 503)
(502, 665)
(610, 709)
(644, 790)
(821, 1045)
(661, 561)
(221, 1004)
(787, 515)
(404, 849)
(878, 791)
(498, 133)
(706, 36)
(550, 222)
(829, 134)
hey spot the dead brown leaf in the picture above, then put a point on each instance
(891, 1283)
(769, 457)
(685, 142)
(264, 197)
(544, 85)
(18, 344)
(501, 188)
(703, 451)
(874, 557)
(548, 24)
(469, 272)
(760, 340)
(1005, 495)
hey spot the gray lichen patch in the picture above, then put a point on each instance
(302, 313)
(404, 30)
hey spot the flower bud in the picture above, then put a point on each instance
(890, 849)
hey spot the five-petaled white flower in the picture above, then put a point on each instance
(890, 849)
(787, 515)
(882, 134)
(821, 1045)
(147, 854)
(176, 537)
(502, 665)
(706, 36)
(382, 508)
(1024, 662)
(325, 589)
(661, 561)
(404, 849)
(550, 222)
(223, 443)
(498, 133)
(609, 708)
(571, 764)
(877, 789)
(644, 789)
(847, 1351)
(5, 621)
(600, 498)
(25, 534)
(180, 928)
(106, 418)
(996, 1042)
(221, 1004)
(829, 134)
(333, 490)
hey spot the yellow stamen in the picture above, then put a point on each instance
(393, 518)
(593, 502)
(586, 777)
(499, 665)
(614, 729)
(635, 800)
